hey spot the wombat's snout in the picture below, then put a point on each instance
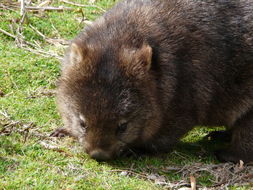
(99, 155)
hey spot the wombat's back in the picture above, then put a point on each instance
(203, 53)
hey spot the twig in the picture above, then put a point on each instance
(130, 172)
(5, 114)
(37, 31)
(37, 44)
(7, 33)
(58, 33)
(19, 37)
(8, 7)
(28, 2)
(54, 148)
(23, 44)
(42, 53)
(81, 5)
(44, 3)
(48, 8)
(23, 18)
(22, 7)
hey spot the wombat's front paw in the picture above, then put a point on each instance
(60, 132)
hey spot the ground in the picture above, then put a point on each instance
(30, 51)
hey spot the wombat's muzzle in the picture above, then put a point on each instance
(99, 155)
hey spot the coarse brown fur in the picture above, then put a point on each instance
(148, 71)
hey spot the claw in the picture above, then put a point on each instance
(60, 132)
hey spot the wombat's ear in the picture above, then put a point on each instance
(144, 56)
(77, 52)
(138, 61)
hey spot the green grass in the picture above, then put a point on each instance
(24, 162)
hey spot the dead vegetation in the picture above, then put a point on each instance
(9, 127)
(42, 92)
(222, 175)
(39, 7)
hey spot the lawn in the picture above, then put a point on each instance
(30, 51)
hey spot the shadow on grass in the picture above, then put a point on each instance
(183, 153)
(170, 164)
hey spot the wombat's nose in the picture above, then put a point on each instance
(99, 155)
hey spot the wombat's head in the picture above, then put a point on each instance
(112, 95)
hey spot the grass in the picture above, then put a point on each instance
(26, 162)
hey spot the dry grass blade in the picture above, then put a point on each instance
(55, 147)
(43, 53)
(7, 33)
(81, 5)
(61, 8)
(22, 7)
(51, 41)
(45, 3)
(42, 93)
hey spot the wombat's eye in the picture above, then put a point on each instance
(82, 124)
(122, 128)
(82, 121)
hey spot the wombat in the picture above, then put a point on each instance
(146, 72)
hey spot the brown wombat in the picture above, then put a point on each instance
(148, 71)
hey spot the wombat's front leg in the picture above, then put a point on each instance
(241, 147)
(60, 132)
